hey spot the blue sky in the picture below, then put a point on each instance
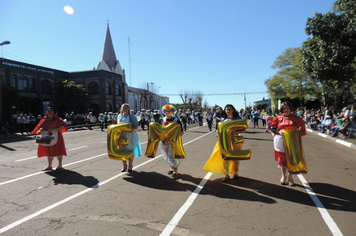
(212, 46)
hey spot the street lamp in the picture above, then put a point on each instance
(1, 44)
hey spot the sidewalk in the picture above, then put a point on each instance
(350, 142)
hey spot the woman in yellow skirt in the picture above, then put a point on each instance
(216, 164)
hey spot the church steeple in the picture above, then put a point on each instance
(108, 59)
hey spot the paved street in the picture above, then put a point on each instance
(92, 197)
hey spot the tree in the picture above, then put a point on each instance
(329, 56)
(261, 106)
(73, 96)
(291, 81)
(186, 96)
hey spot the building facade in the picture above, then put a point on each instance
(27, 88)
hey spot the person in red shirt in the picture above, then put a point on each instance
(287, 120)
(54, 127)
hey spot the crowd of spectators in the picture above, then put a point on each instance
(336, 123)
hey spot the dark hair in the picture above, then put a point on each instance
(288, 104)
(54, 110)
(234, 114)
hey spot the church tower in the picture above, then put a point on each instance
(108, 60)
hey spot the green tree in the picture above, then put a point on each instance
(329, 56)
(72, 95)
(291, 81)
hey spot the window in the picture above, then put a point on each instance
(13, 81)
(107, 88)
(117, 90)
(108, 107)
(22, 83)
(46, 87)
(93, 88)
(32, 84)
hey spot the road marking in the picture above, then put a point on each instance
(178, 216)
(324, 213)
(77, 148)
(28, 158)
(342, 142)
(41, 172)
(29, 217)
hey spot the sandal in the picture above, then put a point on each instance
(170, 172)
(236, 176)
(226, 179)
(123, 170)
(48, 168)
(59, 168)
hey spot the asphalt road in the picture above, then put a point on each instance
(92, 197)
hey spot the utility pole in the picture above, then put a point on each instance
(245, 99)
(129, 42)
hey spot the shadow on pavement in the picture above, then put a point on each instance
(338, 198)
(246, 189)
(71, 177)
(216, 188)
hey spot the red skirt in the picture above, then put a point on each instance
(56, 150)
(281, 158)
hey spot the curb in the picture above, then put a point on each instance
(342, 142)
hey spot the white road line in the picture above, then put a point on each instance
(41, 172)
(77, 148)
(28, 158)
(178, 216)
(29, 217)
(324, 213)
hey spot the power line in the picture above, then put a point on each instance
(214, 94)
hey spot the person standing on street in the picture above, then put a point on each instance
(101, 120)
(54, 126)
(287, 120)
(134, 141)
(209, 118)
(166, 149)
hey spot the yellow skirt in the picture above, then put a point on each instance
(216, 164)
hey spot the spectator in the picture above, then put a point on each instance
(344, 127)
(32, 121)
(39, 117)
(21, 123)
(27, 124)
(256, 115)
(353, 114)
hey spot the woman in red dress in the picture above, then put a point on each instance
(287, 120)
(53, 126)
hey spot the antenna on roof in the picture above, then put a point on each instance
(129, 42)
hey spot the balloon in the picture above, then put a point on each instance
(231, 147)
(169, 133)
(114, 142)
(293, 149)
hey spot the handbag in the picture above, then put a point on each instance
(45, 140)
